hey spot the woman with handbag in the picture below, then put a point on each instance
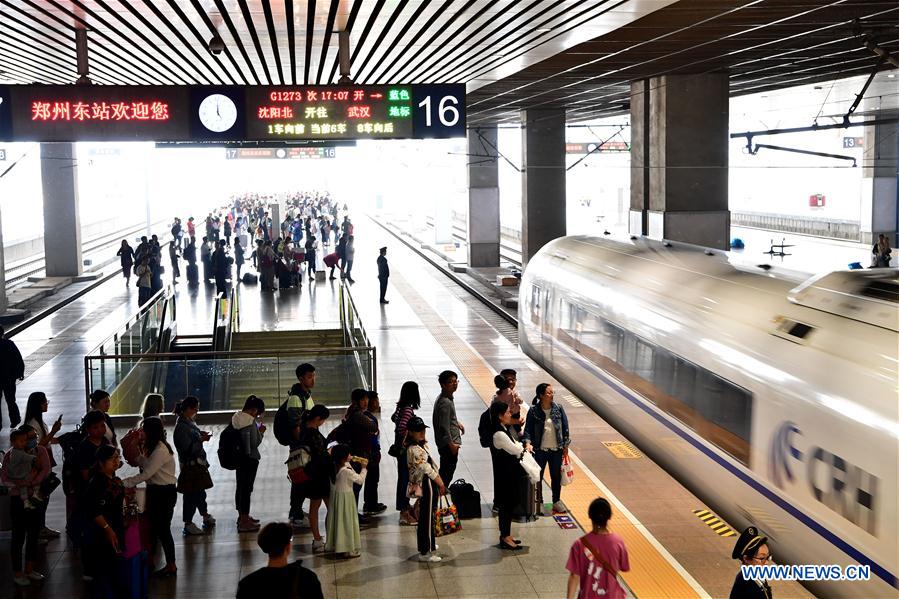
(410, 400)
(546, 428)
(425, 483)
(507, 455)
(596, 558)
(158, 470)
(318, 485)
(194, 478)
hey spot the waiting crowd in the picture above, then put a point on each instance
(281, 253)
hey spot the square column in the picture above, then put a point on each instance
(483, 197)
(62, 221)
(543, 208)
(3, 301)
(687, 137)
(880, 174)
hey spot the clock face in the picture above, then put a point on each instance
(218, 113)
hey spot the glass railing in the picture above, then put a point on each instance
(223, 380)
(354, 335)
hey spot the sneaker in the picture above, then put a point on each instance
(191, 529)
(254, 520)
(208, 521)
(318, 546)
(406, 520)
(247, 527)
(371, 510)
(49, 533)
(300, 522)
(430, 558)
(22, 581)
(36, 576)
(558, 508)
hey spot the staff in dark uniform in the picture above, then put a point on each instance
(752, 550)
(383, 273)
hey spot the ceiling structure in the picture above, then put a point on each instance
(512, 54)
(295, 41)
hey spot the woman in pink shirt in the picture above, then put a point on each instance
(596, 558)
(26, 522)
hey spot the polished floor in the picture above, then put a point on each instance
(430, 325)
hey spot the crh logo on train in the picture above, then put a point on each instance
(843, 487)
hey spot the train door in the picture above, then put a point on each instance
(546, 319)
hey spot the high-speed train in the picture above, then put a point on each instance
(776, 402)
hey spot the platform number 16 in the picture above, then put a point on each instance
(447, 112)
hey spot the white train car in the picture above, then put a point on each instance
(776, 404)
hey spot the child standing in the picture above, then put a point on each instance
(343, 521)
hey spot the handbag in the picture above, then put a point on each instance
(296, 465)
(413, 490)
(446, 518)
(567, 471)
(192, 478)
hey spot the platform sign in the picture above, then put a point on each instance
(853, 142)
(2, 154)
(98, 113)
(230, 113)
(305, 153)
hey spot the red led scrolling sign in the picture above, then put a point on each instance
(99, 111)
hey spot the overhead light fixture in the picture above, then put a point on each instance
(892, 75)
(499, 56)
(544, 30)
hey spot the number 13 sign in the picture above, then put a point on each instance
(438, 111)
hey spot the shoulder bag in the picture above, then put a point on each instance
(605, 565)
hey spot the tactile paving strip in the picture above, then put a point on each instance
(651, 575)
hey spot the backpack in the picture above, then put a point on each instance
(466, 499)
(71, 474)
(230, 448)
(283, 429)
(131, 445)
(341, 434)
(485, 431)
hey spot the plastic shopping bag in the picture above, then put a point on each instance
(567, 471)
(446, 518)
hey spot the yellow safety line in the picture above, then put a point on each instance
(715, 523)
(654, 572)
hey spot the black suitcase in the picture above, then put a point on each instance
(285, 280)
(249, 278)
(193, 274)
(466, 499)
(525, 509)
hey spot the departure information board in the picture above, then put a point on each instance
(231, 113)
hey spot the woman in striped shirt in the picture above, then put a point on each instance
(410, 400)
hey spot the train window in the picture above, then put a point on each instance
(535, 304)
(883, 289)
(715, 408)
(568, 319)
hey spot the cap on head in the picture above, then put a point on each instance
(416, 425)
(748, 542)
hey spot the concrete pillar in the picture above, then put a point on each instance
(62, 222)
(687, 164)
(542, 179)
(3, 301)
(639, 212)
(483, 197)
(880, 174)
(274, 212)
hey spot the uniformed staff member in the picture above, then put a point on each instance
(752, 550)
(383, 273)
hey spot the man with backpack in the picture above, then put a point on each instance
(288, 421)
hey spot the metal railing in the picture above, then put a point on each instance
(222, 380)
(354, 335)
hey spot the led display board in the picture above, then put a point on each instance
(306, 153)
(231, 113)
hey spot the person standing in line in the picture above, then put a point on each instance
(596, 558)
(157, 464)
(227, 231)
(100, 401)
(343, 521)
(383, 273)
(349, 253)
(37, 405)
(546, 429)
(298, 403)
(426, 483)
(248, 422)
(279, 578)
(174, 257)
(220, 268)
(515, 403)
(12, 368)
(238, 255)
(25, 466)
(318, 487)
(190, 254)
(126, 255)
(205, 258)
(507, 454)
(410, 400)
(194, 478)
(103, 507)
(448, 430)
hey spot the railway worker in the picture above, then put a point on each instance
(383, 274)
(752, 550)
(12, 368)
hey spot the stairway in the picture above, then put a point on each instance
(273, 341)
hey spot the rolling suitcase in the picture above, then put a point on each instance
(193, 274)
(525, 509)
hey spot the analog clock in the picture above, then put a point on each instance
(218, 113)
